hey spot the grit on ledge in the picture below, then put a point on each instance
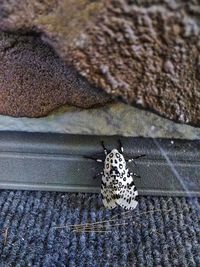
(145, 51)
(113, 119)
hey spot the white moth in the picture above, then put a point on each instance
(117, 186)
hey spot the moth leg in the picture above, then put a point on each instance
(97, 175)
(104, 148)
(121, 149)
(132, 159)
(136, 157)
(96, 159)
(135, 175)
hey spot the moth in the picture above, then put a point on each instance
(117, 187)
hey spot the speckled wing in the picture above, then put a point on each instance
(107, 192)
(128, 192)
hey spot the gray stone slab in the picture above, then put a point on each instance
(114, 119)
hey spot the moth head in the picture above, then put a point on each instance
(116, 162)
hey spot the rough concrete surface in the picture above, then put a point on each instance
(148, 53)
(34, 80)
(145, 51)
(112, 119)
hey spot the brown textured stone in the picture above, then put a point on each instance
(145, 51)
(34, 80)
(58, 21)
(148, 53)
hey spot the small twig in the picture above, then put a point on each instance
(123, 213)
(5, 236)
(100, 223)
(91, 231)
(127, 212)
(100, 226)
(152, 211)
(84, 224)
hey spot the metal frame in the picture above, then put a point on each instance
(44, 161)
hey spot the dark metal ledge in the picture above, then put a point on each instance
(37, 161)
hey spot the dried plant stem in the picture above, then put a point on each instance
(84, 224)
(91, 231)
(101, 224)
(5, 236)
(127, 212)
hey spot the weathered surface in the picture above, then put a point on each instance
(148, 53)
(112, 119)
(34, 80)
(58, 21)
(145, 51)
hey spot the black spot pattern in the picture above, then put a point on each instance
(131, 184)
(118, 187)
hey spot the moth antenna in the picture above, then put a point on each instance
(120, 146)
(104, 148)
